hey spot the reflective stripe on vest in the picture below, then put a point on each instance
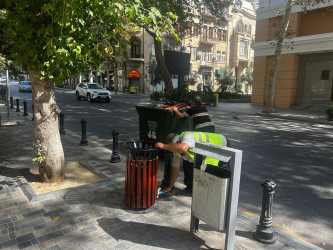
(215, 139)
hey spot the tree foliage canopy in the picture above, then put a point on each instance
(225, 79)
(64, 38)
(247, 76)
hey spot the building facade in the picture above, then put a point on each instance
(306, 67)
(211, 47)
(242, 23)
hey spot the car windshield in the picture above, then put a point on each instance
(26, 83)
(94, 86)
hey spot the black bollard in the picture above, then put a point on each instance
(61, 121)
(264, 233)
(17, 105)
(83, 141)
(25, 113)
(115, 155)
(32, 112)
(11, 102)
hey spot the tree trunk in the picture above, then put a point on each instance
(271, 86)
(161, 62)
(47, 142)
(162, 67)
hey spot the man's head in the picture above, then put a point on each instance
(197, 100)
(172, 138)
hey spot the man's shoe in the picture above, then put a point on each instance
(187, 192)
(165, 185)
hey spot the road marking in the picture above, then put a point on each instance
(281, 227)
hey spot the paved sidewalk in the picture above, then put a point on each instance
(94, 216)
(299, 113)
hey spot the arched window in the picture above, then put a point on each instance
(240, 26)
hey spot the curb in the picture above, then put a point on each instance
(279, 234)
(293, 118)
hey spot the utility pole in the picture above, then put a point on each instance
(8, 89)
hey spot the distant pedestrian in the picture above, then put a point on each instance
(201, 123)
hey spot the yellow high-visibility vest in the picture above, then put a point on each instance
(215, 139)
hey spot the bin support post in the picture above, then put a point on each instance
(194, 226)
(83, 141)
(264, 233)
(11, 102)
(25, 113)
(61, 121)
(236, 163)
(222, 154)
(115, 155)
(17, 105)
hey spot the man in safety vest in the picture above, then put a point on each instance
(182, 146)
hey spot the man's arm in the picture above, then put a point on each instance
(178, 148)
(180, 115)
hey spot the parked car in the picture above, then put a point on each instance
(25, 86)
(92, 91)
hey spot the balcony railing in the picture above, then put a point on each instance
(207, 63)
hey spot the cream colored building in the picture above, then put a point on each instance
(242, 23)
(211, 48)
(306, 68)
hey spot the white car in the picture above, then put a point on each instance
(25, 86)
(93, 92)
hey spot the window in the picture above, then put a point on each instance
(204, 56)
(194, 53)
(195, 30)
(325, 75)
(240, 27)
(221, 35)
(189, 31)
(218, 56)
(171, 46)
(249, 29)
(205, 33)
(209, 56)
(211, 33)
(153, 49)
(224, 35)
(243, 47)
(135, 49)
(224, 57)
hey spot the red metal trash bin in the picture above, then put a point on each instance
(141, 175)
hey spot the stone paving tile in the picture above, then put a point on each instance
(94, 217)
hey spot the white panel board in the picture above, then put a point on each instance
(210, 199)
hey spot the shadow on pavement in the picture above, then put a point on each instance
(151, 235)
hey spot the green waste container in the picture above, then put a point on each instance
(156, 123)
